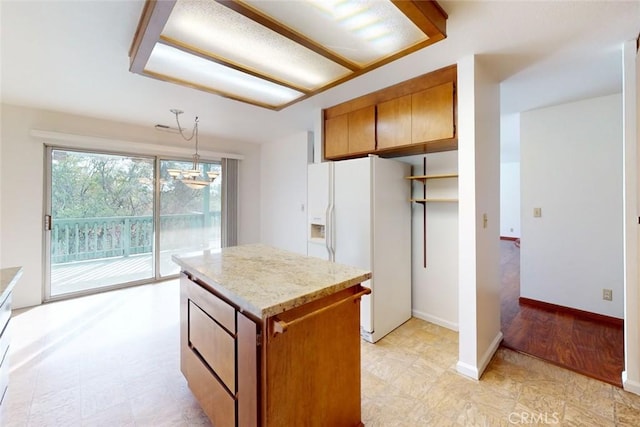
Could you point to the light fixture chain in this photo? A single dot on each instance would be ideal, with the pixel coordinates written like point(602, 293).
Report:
point(190, 177)
point(180, 129)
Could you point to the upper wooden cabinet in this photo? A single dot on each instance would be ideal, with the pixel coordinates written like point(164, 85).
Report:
point(414, 117)
point(350, 133)
point(394, 122)
point(362, 130)
point(432, 114)
point(336, 136)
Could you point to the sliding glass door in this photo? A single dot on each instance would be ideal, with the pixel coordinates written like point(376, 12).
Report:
point(111, 223)
point(189, 218)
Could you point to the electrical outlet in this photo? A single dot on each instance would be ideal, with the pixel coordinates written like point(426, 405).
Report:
point(607, 294)
point(537, 212)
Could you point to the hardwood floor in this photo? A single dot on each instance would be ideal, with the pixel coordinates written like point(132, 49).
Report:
point(586, 346)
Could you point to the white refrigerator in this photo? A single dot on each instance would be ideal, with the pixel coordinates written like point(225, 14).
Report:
point(359, 214)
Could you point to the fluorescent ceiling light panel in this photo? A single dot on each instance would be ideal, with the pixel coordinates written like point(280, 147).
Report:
point(275, 53)
point(175, 64)
point(362, 31)
point(219, 32)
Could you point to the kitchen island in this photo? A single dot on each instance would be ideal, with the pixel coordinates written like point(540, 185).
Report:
point(271, 338)
point(8, 279)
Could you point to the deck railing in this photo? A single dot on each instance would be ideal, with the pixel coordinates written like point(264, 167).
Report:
point(79, 239)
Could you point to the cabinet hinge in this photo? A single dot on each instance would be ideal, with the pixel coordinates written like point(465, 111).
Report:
point(259, 339)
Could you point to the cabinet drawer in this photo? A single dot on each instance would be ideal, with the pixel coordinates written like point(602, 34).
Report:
point(219, 406)
point(214, 344)
point(216, 308)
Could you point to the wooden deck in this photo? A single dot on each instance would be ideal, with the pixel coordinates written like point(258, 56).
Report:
point(81, 276)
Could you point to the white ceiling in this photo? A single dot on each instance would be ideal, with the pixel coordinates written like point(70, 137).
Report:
point(72, 56)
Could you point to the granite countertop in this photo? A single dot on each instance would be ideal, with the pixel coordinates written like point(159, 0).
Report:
point(266, 281)
point(8, 279)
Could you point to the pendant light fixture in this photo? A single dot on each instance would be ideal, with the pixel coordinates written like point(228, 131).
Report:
point(192, 178)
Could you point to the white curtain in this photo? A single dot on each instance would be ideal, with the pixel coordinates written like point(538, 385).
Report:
point(230, 169)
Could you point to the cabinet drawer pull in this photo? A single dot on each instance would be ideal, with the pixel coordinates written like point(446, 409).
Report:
point(280, 326)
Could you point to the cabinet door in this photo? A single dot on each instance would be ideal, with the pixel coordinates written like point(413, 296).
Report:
point(336, 136)
point(433, 114)
point(313, 369)
point(248, 372)
point(394, 122)
point(362, 130)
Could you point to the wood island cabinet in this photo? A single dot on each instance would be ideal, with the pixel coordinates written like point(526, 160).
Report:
point(297, 363)
point(208, 352)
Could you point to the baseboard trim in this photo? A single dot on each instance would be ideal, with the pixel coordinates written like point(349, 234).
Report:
point(513, 239)
point(488, 355)
point(630, 385)
point(475, 372)
point(614, 321)
point(435, 320)
point(467, 370)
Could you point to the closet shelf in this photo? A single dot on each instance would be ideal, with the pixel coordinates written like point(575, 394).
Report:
point(433, 199)
point(423, 178)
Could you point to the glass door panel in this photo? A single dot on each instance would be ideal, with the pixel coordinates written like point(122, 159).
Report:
point(190, 219)
point(102, 228)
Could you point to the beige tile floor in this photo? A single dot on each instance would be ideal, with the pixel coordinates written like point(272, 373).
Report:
point(112, 360)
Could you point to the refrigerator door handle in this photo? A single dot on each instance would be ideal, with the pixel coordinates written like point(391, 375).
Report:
point(331, 214)
point(327, 230)
point(331, 233)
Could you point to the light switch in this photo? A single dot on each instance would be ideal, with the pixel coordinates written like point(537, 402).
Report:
point(537, 212)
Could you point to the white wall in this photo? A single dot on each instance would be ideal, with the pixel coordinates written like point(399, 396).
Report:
point(572, 169)
point(510, 199)
point(631, 137)
point(510, 175)
point(510, 137)
point(283, 193)
point(22, 177)
point(1, 139)
point(434, 288)
point(479, 189)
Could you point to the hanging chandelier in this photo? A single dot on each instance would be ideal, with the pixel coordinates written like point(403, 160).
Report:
point(192, 178)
